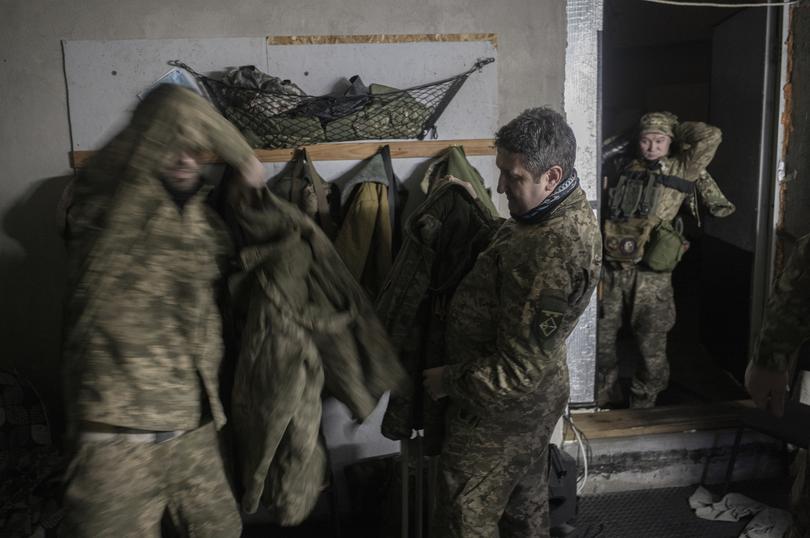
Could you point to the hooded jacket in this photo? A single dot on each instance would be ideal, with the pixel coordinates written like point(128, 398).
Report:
point(142, 329)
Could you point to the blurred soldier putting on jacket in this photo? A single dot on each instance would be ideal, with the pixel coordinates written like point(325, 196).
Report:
point(143, 333)
point(507, 378)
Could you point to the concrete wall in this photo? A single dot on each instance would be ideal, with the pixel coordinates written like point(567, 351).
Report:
point(676, 460)
point(34, 133)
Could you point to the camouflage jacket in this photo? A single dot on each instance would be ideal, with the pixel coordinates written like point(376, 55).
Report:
point(443, 237)
point(510, 316)
point(142, 326)
point(710, 195)
point(666, 185)
point(309, 327)
point(697, 143)
point(787, 317)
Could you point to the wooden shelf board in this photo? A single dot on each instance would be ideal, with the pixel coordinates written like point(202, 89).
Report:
point(340, 151)
point(378, 38)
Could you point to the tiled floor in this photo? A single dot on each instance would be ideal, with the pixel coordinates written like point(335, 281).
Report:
point(657, 513)
point(663, 513)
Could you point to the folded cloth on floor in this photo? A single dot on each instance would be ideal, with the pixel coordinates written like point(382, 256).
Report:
point(767, 523)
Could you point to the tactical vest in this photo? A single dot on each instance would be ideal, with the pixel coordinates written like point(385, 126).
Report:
point(641, 208)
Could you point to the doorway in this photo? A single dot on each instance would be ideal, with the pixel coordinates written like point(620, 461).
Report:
point(718, 66)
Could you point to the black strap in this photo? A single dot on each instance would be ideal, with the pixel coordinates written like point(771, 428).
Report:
point(677, 183)
point(673, 182)
point(392, 185)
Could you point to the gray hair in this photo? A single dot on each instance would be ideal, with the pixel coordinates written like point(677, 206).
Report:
point(544, 139)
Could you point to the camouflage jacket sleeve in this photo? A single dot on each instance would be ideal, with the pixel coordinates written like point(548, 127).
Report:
point(698, 142)
point(785, 325)
point(225, 140)
point(712, 197)
point(535, 318)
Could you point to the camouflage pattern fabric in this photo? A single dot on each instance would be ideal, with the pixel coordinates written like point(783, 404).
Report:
point(800, 497)
point(508, 379)
point(784, 328)
point(494, 475)
point(697, 143)
point(658, 122)
point(184, 476)
point(630, 287)
point(785, 325)
point(711, 196)
point(648, 296)
point(141, 274)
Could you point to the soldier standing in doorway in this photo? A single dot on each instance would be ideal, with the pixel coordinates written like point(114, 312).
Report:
point(643, 244)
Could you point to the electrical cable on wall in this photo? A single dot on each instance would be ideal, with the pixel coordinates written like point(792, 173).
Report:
point(727, 5)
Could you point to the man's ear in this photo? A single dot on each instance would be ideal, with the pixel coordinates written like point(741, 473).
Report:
point(555, 174)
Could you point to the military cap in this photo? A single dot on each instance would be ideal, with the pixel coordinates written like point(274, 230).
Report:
point(658, 122)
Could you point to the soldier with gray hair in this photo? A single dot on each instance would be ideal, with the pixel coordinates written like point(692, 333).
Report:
point(643, 246)
point(506, 376)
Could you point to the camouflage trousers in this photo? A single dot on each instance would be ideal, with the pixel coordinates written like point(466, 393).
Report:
point(648, 298)
point(492, 481)
point(122, 488)
point(800, 498)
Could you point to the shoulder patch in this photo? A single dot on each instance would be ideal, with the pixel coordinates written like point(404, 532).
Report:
point(548, 315)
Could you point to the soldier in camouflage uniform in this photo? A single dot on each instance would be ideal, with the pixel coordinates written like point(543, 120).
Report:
point(143, 340)
point(642, 247)
point(507, 379)
point(785, 327)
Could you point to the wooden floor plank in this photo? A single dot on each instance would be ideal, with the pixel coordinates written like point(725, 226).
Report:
point(674, 419)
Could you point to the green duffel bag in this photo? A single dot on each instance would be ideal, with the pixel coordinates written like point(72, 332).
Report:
point(665, 248)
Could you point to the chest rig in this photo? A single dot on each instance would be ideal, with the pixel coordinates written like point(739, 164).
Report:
point(641, 202)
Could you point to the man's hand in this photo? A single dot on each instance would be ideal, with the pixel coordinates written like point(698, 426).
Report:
point(432, 381)
point(767, 388)
point(252, 174)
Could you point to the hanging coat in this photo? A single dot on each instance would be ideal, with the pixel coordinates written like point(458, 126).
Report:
point(308, 327)
point(365, 240)
point(302, 185)
point(442, 239)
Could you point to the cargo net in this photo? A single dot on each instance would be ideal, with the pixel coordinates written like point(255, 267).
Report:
point(272, 113)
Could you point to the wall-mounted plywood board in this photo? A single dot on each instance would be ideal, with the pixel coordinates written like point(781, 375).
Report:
point(104, 78)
